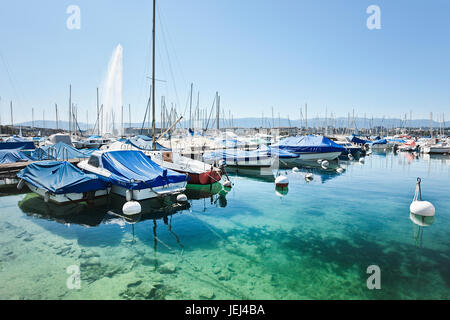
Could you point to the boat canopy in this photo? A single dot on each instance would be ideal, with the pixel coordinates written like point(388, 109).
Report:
point(309, 144)
point(276, 152)
point(133, 170)
point(12, 156)
point(16, 139)
point(60, 151)
point(60, 178)
point(24, 145)
point(355, 139)
point(381, 141)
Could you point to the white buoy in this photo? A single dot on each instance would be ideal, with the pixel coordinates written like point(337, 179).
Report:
point(181, 197)
point(227, 184)
point(325, 164)
point(282, 181)
point(339, 170)
point(350, 156)
point(422, 208)
point(361, 160)
point(131, 208)
point(20, 184)
point(295, 169)
point(319, 161)
point(309, 176)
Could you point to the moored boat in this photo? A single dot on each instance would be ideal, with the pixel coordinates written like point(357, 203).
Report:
point(133, 175)
point(311, 147)
point(62, 182)
point(199, 172)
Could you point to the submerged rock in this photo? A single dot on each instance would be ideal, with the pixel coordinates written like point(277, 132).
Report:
point(167, 267)
point(206, 293)
point(93, 261)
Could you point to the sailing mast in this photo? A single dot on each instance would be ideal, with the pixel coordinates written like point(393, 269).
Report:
point(153, 77)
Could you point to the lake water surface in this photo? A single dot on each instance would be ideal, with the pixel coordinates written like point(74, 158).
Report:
point(314, 241)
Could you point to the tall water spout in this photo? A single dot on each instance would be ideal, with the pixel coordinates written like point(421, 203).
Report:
point(112, 92)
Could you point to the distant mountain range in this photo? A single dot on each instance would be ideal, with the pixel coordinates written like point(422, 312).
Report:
point(341, 122)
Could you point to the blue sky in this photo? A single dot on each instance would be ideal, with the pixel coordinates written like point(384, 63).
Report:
point(256, 53)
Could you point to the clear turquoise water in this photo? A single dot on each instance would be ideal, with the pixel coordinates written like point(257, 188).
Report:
point(315, 242)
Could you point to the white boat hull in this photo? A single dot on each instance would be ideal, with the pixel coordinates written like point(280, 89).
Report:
point(318, 155)
point(436, 150)
point(144, 194)
point(66, 198)
point(251, 163)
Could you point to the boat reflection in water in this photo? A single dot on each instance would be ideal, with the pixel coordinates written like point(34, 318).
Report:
point(419, 223)
point(101, 211)
point(215, 192)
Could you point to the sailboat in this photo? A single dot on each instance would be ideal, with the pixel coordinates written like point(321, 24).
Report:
point(197, 171)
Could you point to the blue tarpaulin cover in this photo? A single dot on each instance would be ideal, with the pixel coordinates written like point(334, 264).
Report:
point(60, 178)
point(381, 141)
point(308, 144)
point(129, 165)
point(357, 140)
point(17, 145)
point(12, 156)
point(16, 139)
point(60, 151)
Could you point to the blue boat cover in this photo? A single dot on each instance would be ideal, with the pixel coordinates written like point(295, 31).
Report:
point(381, 141)
point(17, 145)
point(16, 139)
point(133, 170)
point(357, 140)
point(276, 152)
point(12, 156)
point(60, 151)
point(308, 144)
point(60, 178)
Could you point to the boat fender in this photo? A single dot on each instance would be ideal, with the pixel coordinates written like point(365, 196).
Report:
point(361, 160)
point(282, 181)
point(339, 170)
point(129, 195)
point(131, 208)
point(309, 176)
point(325, 164)
point(350, 156)
point(20, 184)
point(181, 197)
point(295, 169)
point(319, 161)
